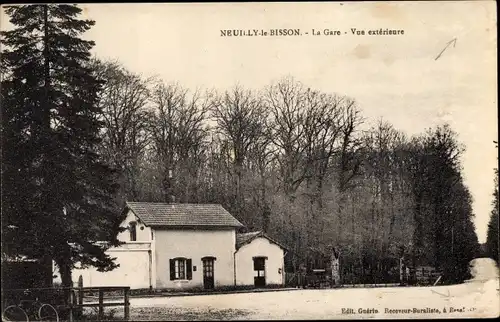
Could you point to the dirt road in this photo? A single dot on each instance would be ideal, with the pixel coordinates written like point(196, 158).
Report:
point(478, 297)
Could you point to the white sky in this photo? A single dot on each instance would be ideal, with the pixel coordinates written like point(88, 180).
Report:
point(394, 77)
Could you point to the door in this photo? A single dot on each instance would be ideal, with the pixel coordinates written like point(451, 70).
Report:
point(208, 273)
point(259, 267)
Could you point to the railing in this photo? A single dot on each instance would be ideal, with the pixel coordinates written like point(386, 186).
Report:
point(70, 302)
point(425, 276)
point(101, 304)
point(320, 279)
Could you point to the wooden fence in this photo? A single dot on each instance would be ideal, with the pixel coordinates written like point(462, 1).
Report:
point(422, 275)
point(426, 275)
point(120, 295)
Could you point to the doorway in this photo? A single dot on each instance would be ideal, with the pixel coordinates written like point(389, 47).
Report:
point(208, 272)
point(259, 267)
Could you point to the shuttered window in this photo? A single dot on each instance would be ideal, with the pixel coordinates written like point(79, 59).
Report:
point(181, 269)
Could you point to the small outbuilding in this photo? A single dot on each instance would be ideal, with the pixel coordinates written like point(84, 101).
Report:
point(259, 260)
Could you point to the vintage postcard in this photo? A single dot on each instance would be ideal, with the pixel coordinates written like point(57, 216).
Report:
point(249, 161)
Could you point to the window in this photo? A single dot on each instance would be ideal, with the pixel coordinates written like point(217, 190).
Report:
point(133, 231)
point(180, 269)
point(208, 267)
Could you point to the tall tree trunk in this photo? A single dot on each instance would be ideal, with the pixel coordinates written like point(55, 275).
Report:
point(238, 190)
point(46, 108)
point(64, 266)
point(65, 271)
point(266, 210)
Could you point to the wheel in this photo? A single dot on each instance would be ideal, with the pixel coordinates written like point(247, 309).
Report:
point(14, 313)
point(48, 313)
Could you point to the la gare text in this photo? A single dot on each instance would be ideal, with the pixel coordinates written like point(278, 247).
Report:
point(311, 32)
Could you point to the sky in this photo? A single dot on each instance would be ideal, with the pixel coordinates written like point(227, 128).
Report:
point(397, 78)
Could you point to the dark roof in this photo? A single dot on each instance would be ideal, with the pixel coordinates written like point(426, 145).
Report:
point(182, 214)
point(245, 238)
point(242, 239)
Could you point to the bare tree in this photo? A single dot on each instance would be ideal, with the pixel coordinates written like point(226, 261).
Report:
point(260, 165)
point(387, 221)
point(179, 133)
point(241, 120)
point(124, 101)
point(286, 103)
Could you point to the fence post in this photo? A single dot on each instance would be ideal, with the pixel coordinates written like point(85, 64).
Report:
point(80, 296)
point(126, 314)
point(101, 304)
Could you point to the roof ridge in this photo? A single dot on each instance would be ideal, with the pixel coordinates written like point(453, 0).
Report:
point(246, 238)
point(182, 214)
point(251, 232)
point(175, 203)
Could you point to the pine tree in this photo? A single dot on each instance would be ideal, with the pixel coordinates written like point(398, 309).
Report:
point(57, 196)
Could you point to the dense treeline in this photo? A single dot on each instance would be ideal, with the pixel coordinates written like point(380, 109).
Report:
point(81, 136)
point(294, 162)
point(492, 236)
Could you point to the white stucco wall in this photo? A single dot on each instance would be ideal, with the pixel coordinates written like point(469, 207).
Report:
point(195, 244)
point(143, 232)
point(136, 263)
point(274, 269)
point(134, 270)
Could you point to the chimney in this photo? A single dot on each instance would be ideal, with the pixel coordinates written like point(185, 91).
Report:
point(168, 186)
point(171, 179)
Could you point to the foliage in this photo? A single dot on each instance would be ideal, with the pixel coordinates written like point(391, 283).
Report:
point(444, 232)
point(57, 192)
